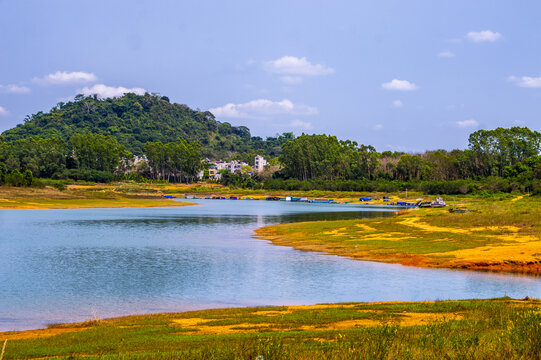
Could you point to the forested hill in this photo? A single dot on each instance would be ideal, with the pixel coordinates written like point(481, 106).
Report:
point(134, 120)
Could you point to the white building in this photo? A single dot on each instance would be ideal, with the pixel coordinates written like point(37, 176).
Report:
point(235, 166)
point(220, 165)
point(260, 163)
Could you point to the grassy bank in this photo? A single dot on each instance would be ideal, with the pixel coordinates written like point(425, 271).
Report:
point(51, 198)
point(143, 191)
point(482, 329)
point(208, 189)
point(502, 235)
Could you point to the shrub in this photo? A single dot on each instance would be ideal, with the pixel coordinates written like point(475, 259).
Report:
point(15, 178)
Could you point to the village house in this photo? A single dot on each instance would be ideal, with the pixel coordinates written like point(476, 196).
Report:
point(260, 163)
point(234, 166)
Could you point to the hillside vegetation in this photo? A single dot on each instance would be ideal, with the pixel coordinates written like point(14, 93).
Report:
point(134, 120)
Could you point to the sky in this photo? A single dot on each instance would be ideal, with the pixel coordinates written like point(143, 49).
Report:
point(398, 75)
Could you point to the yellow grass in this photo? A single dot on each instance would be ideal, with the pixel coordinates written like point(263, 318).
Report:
point(76, 198)
point(501, 236)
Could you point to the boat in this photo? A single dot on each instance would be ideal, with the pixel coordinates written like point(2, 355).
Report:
point(406, 204)
point(322, 201)
point(438, 203)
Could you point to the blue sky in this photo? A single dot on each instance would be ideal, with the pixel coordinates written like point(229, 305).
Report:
point(399, 75)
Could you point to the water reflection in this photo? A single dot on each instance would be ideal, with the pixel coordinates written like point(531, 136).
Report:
point(226, 219)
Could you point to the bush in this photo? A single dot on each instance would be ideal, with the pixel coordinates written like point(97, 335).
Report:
point(454, 187)
point(28, 178)
point(3, 173)
point(15, 178)
point(91, 175)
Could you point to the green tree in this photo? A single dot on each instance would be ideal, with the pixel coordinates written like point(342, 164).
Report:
point(28, 178)
point(15, 178)
point(3, 172)
point(97, 152)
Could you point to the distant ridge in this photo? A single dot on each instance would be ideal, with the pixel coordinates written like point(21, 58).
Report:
point(136, 119)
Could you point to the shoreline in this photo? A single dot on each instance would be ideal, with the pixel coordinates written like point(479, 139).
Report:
point(98, 205)
point(502, 237)
point(529, 269)
point(60, 328)
point(50, 198)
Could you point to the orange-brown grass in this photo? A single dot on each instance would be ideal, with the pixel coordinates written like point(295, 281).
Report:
point(51, 198)
point(499, 236)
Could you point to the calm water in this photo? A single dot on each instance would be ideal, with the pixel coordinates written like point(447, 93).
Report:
point(70, 265)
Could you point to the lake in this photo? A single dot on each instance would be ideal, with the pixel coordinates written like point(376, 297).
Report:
point(72, 265)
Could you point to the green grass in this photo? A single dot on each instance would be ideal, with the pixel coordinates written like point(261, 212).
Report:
point(467, 329)
point(500, 234)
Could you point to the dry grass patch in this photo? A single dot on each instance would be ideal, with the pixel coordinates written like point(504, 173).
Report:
point(500, 236)
point(77, 197)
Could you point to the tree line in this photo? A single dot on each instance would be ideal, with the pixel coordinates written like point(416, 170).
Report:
point(501, 152)
point(95, 157)
point(503, 159)
point(500, 160)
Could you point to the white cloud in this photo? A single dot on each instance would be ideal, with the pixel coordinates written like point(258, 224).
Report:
point(14, 89)
point(399, 85)
point(526, 81)
point(446, 54)
point(261, 108)
point(301, 124)
point(398, 104)
point(483, 36)
point(378, 127)
point(291, 65)
point(104, 91)
point(467, 123)
point(3, 111)
point(66, 78)
point(291, 80)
